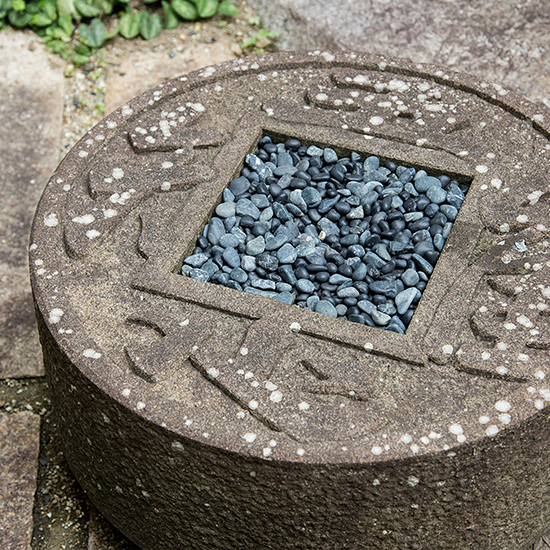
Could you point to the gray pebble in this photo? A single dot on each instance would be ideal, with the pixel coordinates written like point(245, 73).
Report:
point(404, 299)
point(199, 275)
point(238, 275)
point(338, 279)
point(450, 211)
point(329, 155)
point(410, 277)
point(215, 230)
point(255, 246)
point(285, 297)
point(245, 207)
point(229, 240)
point(314, 151)
point(349, 292)
point(341, 310)
point(226, 209)
point(305, 286)
point(311, 197)
point(248, 263)
point(366, 306)
point(326, 308)
point(231, 257)
point(260, 201)
point(287, 274)
point(196, 260)
point(287, 254)
point(275, 242)
point(436, 194)
point(285, 170)
point(239, 186)
point(379, 318)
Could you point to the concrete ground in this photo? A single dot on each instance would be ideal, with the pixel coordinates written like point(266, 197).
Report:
point(41, 505)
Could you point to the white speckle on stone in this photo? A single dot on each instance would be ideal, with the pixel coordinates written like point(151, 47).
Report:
point(522, 218)
point(461, 438)
point(545, 394)
point(165, 186)
point(276, 397)
point(414, 448)
point(40, 271)
point(140, 405)
point(83, 154)
point(376, 450)
point(481, 168)
point(368, 346)
point(502, 370)
point(33, 246)
point(502, 406)
point(150, 139)
point(109, 213)
point(270, 386)
point(538, 118)
point(92, 354)
point(421, 142)
point(55, 315)
point(484, 420)
point(382, 66)
point(413, 481)
point(496, 183)
point(86, 219)
point(328, 56)
point(184, 323)
point(447, 349)
point(249, 375)
point(300, 452)
point(249, 437)
point(456, 429)
point(523, 357)
point(406, 438)
point(38, 262)
point(255, 384)
point(92, 234)
point(243, 351)
point(539, 404)
point(492, 430)
point(213, 372)
point(266, 451)
point(540, 375)
point(241, 414)
point(199, 107)
point(485, 355)
point(463, 154)
point(51, 220)
point(188, 422)
point(105, 418)
point(321, 97)
point(509, 326)
point(502, 346)
point(303, 406)
point(126, 111)
point(111, 124)
point(376, 120)
point(295, 327)
point(167, 164)
point(253, 405)
point(504, 418)
point(118, 173)
point(126, 392)
point(66, 187)
point(534, 197)
point(425, 440)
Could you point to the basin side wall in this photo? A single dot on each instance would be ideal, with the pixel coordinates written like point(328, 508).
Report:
point(164, 491)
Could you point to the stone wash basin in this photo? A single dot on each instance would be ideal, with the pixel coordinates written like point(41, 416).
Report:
point(197, 416)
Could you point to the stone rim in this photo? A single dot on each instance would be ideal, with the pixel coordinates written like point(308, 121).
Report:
point(73, 164)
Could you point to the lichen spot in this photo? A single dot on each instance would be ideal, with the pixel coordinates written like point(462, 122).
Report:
point(376, 450)
point(140, 405)
point(243, 351)
point(303, 406)
point(249, 437)
point(213, 372)
point(502, 406)
point(413, 481)
point(492, 430)
point(456, 429)
point(276, 397)
point(92, 234)
point(126, 392)
point(295, 327)
point(253, 405)
point(92, 354)
point(376, 120)
point(368, 347)
point(447, 349)
point(51, 220)
point(55, 315)
point(118, 173)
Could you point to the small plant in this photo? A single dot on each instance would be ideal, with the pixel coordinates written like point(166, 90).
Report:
point(59, 21)
point(260, 40)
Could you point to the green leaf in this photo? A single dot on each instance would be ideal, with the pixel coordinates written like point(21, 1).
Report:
point(151, 25)
point(18, 5)
point(82, 49)
point(185, 9)
point(171, 20)
point(93, 35)
point(85, 9)
point(65, 25)
point(66, 7)
point(19, 19)
point(5, 5)
point(206, 8)
point(129, 25)
point(78, 59)
point(41, 20)
point(227, 8)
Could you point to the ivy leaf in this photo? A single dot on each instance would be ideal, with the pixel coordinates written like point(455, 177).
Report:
point(19, 19)
point(79, 59)
point(171, 20)
point(129, 25)
point(66, 7)
point(85, 9)
point(18, 5)
point(150, 26)
point(65, 24)
point(227, 8)
point(93, 35)
point(206, 8)
point(185, 9)
point(46, 16)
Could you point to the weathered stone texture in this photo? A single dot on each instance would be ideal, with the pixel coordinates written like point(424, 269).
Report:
point(19, 442)
point(30, 127)
point(197, 416)
point(501, 40)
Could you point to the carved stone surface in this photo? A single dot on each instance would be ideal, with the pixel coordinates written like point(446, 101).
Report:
point(196, 416)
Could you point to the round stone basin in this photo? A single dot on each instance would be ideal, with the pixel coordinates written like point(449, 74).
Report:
point(198, 416)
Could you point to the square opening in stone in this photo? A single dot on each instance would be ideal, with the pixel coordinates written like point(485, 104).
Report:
point(347, 236)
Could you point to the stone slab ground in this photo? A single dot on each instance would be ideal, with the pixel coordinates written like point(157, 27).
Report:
point(494, 40)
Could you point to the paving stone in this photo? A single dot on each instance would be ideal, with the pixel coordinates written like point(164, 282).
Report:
point(19, 442)
point(182, 402)
point(30, 130)
point(500, 40)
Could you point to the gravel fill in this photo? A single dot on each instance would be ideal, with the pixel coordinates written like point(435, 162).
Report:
point(346, 237)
